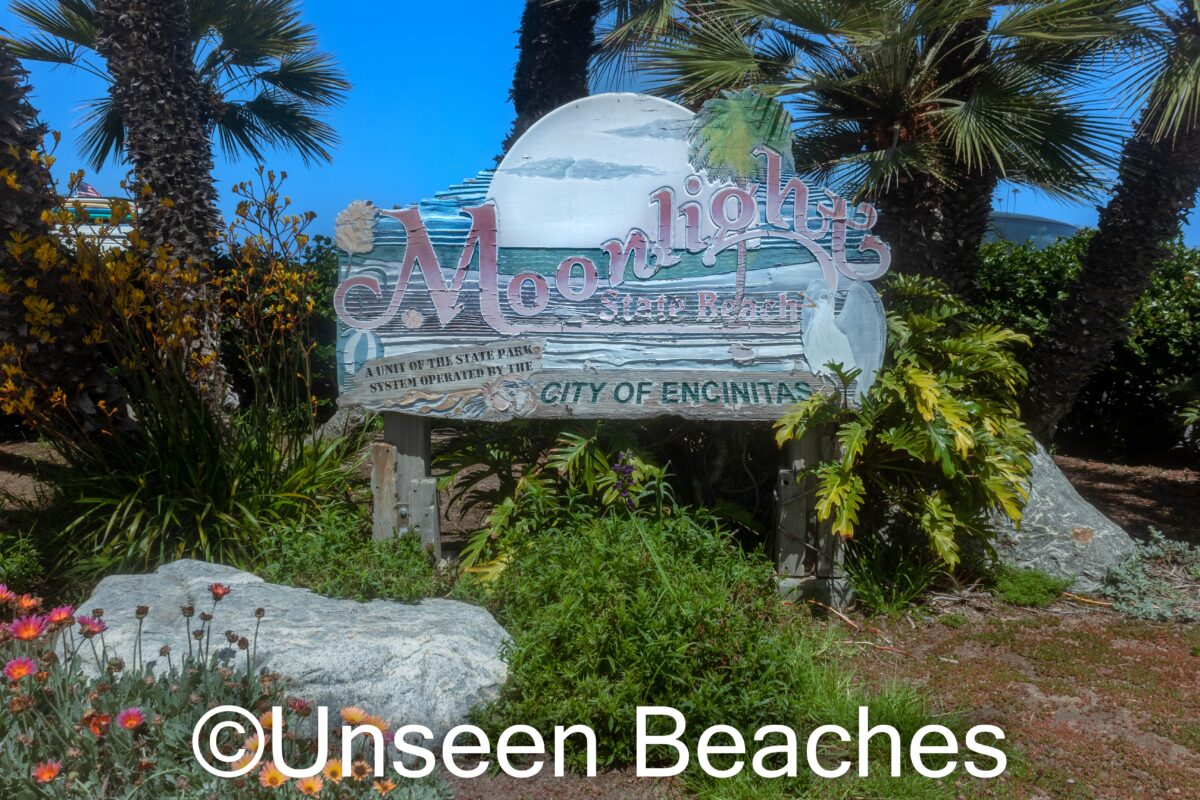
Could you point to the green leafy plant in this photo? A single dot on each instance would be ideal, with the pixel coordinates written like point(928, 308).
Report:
point(20, 562)
point(1160, 581)
point(608, 612)
point(333, 554)
point(889, 577)
point(1028, 587)
point(1154, 371)
point(154, 471)
point(937, 444)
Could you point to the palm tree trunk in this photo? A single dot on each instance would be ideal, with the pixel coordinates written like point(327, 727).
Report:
point(935, 227)
point(1156, 187)
point(147, 46)
point(556, 46)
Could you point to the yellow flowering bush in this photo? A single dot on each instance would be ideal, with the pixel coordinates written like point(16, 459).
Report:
point(150, 469)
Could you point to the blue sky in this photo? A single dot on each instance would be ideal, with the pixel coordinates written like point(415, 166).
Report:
point(429, 107)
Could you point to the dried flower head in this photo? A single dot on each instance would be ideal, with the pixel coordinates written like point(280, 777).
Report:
point(91, 626)
point(141, 611)
point(187, 611)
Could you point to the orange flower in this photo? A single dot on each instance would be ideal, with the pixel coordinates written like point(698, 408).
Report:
point(310, 786)
point(378, 722)
point(360, 770)
point(219, 591)
point(383, 787)
point(47, 771)
point(61, 615)
point(27, 628)
point(270, 777)
point(353, 715)
point(6, 595)
point(333, 771)
point(97, 723)
point(27, 603)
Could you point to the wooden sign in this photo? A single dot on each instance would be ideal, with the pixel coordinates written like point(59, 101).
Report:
point(626, 259)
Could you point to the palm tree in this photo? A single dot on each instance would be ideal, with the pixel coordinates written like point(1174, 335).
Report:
point(161, 103)
point(265, 84)
point(1156, 187)
point(556, 45)
point(921, 107)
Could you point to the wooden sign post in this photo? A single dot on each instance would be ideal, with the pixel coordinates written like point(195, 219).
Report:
point(627, 259)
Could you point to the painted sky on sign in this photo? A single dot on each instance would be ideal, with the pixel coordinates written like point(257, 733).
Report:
point(429, 107)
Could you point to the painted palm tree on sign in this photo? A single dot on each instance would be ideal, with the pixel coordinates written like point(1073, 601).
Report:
point(921, 107)
point(266, 84)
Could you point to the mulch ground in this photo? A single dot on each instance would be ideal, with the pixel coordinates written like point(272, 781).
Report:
point(1139, 498)
point(1094, 704)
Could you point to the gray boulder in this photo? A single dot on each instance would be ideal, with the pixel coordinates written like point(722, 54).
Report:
point(426, 663)
point(1062, 534)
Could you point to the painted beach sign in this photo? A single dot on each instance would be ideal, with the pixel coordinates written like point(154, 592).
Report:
point(626, 259)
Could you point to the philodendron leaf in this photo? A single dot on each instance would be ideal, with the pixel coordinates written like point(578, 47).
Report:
point(728, 129)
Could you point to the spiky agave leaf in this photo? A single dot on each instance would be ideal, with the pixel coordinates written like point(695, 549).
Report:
point(729, 128)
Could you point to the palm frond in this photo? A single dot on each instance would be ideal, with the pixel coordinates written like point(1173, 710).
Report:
point(103, 134)
point(311, 76)
point(281, 122)
point(73, 21)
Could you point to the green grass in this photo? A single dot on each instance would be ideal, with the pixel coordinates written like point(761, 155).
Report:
point(953, 620)
point(611, 613)
point(333, 555)
point(1028, 587)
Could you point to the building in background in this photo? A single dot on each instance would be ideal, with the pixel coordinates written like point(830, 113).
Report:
point(1020, 228)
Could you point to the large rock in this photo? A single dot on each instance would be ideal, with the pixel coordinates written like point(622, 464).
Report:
point(426, 663)
point(1061, 533)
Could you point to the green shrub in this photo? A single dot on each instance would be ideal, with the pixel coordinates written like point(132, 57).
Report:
point(889, 577)
point(937, 444)
point(1132, 405)
point(333, 554)
point(611, 612)
point(1028, 587)
point(1160, 581)
point(20, 563)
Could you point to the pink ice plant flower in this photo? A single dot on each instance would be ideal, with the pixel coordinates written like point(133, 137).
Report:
point(61, 615)
point(19, 668)
point(7, 595)
point(90, 626)
point(131, 719)
point(26, 629)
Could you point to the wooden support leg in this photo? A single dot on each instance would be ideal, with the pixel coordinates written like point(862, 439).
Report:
point(405, 495)
point(808, 556)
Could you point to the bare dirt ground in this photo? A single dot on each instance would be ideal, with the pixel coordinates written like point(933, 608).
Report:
point(1094, 704)
point(1140, 497)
